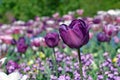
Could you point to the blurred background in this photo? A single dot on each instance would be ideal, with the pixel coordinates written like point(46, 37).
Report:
point(28, 9)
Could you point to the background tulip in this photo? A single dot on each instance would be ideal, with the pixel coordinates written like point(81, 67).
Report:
point(21, 45)
point(102, 37)
point(52, 39)
point(35, 42)
point(96, 20)
point(76, 34)
point(110, 30)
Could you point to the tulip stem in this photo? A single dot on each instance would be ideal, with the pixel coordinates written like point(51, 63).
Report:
point(54, 54)
point(80, 64)
point(55, 63)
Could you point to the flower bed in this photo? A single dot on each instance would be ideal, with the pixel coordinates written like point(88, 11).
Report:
point(70, 47)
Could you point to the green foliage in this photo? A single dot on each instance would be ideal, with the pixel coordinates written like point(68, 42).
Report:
point(28, 9)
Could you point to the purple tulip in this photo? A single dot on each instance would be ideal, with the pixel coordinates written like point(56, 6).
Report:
point(102, 37)
point(12, 66)
point(96, 20)
point(52, 39)
point(30, 31)
point(21, 39)
point(76, 34)
point(110, 30)
point(21, 45)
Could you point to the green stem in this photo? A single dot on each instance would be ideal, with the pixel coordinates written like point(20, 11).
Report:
point(55, 63)
point(80, 64)
point(54, 55)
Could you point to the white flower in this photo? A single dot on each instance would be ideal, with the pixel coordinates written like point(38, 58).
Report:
point(50, 22)
point(34, 48)
point(4, 26)
point(4, 47)
point(101, 13)
point(13, 76)
point(49, 29)
point(67, 22)
point(18, 22)
point(24, 77)
point(2, 60)
point(112, 12)
point(6, 37)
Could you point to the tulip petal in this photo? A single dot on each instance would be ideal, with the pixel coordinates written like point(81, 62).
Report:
point(73, 23)
point(63, 27)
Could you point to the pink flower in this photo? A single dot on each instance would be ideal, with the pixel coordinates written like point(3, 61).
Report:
point(80, 12)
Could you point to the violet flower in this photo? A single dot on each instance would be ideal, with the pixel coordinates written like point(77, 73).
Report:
point(21, 45)
point(12, 66)
point(96, 20)
point(76, 34)
point(110, 30)
point(52, 39)
point(102, 37)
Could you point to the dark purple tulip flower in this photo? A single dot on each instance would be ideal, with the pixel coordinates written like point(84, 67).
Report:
point(76, 34)
point(102, 37)
point(21, 45)
point(96, 20)
point(12, 66)
point(30, 31)
point(21, 39)
point(52, 39)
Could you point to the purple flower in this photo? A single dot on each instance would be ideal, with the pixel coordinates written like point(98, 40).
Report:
point(35, 42)
point(30, 31)
point(21, 45)
point(52, 39)
point(21, 39)
point(76, 34)
point(12, 66)
point(110, 30)
point(102, 37)
point(100, 77)
point(96, 20)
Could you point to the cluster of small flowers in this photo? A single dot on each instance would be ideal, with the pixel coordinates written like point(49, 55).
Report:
point(109, 69)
